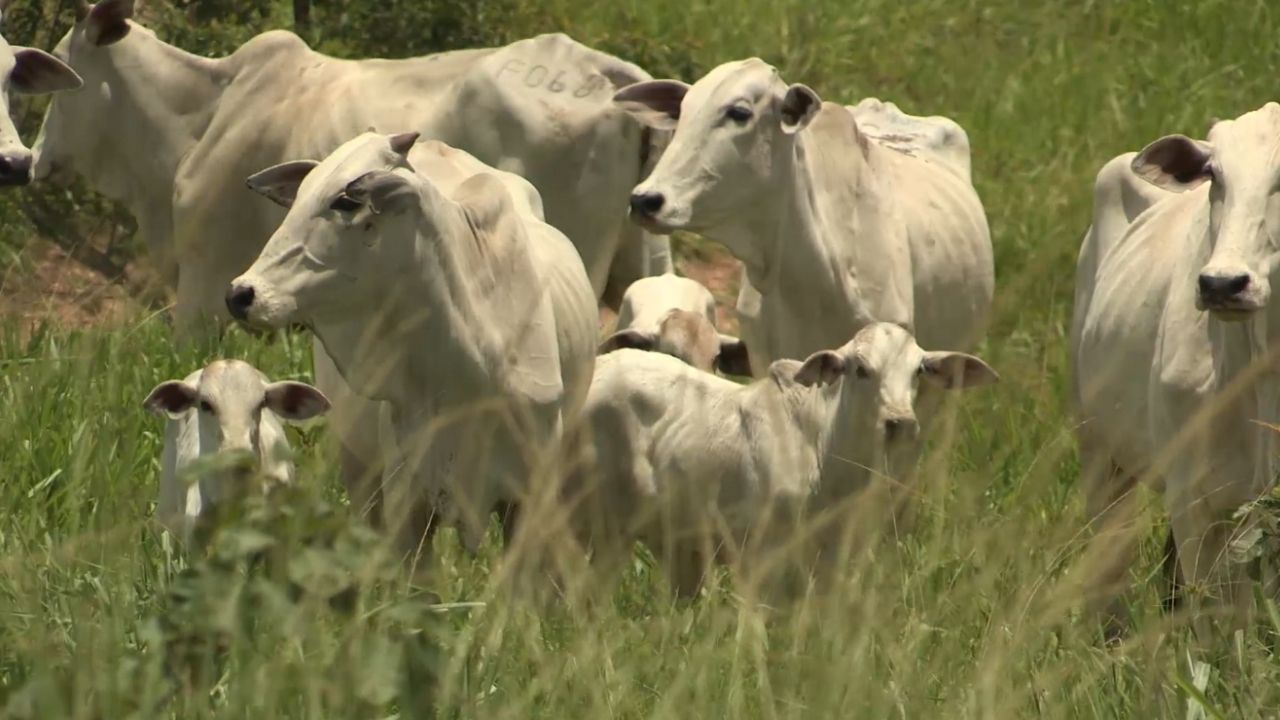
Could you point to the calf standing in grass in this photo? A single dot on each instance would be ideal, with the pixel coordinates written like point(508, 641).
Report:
point(676, 315)
point(700, 468)
point(228, 409)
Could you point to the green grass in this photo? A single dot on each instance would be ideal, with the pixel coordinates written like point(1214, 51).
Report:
point(972, 616)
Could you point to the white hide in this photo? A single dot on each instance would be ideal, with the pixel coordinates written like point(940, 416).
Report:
point(226, 409)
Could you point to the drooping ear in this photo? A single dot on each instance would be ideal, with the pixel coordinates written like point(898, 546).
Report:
point(822, 368)
point(108, 22)
point(36, 72)
point(634, 339)
point(733, 358)
point(171, 398)
point(295, 401)
point(655, 103)
point(384, 191)
point(402, 143)
point(799, 106)
point(956, 371)
point(279, 183)
point(1174, 162)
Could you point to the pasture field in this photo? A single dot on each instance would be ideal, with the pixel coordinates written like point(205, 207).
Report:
point(973, 615)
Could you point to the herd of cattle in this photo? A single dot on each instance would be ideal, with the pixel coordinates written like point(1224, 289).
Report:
point(451, 272)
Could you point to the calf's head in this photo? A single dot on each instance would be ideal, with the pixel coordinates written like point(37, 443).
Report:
point(881, 369)
point(349, 234)
point(29, 71)
point(1240, 161)
point(690, 337)
point(228, 399)
point(733, 129)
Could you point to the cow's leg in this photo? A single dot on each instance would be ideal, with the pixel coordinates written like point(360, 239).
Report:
point(1171, 597)
point(356, 425)
point(1111, 509)
point(1203, 529)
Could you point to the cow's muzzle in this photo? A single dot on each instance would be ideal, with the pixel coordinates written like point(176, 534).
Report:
point(239, 299)
point(15, 170)
point(1229, 295)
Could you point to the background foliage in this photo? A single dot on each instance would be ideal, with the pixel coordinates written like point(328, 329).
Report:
point(970, 617)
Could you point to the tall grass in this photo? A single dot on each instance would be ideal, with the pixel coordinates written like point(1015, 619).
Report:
point(971, 616)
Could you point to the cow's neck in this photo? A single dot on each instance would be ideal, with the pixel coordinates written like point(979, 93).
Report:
point(163, 99)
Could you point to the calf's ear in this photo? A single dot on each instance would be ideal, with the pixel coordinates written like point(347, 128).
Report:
point(956, 371)
point(733, 358)
point(633, 339)
point(295, 401)
point(822, 368)
point(36, 72)
point(280, 183)
point(1174, 162)
point(171, 399)
point(655, 103)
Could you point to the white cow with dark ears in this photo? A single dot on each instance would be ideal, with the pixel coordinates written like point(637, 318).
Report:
point(31, 72)
point(226, 411)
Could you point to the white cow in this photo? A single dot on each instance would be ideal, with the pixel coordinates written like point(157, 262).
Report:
point(227, 415)
point(1172, 347)
point(840, 216)
point(29, 71)
point(172, 136)
point(435, 285)
point(699, 467)
point(677, 316)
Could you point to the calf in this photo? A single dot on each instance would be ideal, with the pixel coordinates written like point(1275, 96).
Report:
point(227, 414)
point(700, 468)
point(676, 315)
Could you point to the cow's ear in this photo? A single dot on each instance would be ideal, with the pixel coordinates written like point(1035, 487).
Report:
point(822, 368)
point(799, 106)
point(956, 371)
point(733, 358)
point(634, 339)
point(383, 191)
point(36, 72)
point(280, 183)
point(655, 103)
point(1174, 162)
point(108, 22)
point(171, 399)
point(295, 401)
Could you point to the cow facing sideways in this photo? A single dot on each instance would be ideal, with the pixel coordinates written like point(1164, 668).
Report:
point(434, 284)
point(840, 216)
point(1175, 377)
point(700, 468)
point(31, 72)
point(172, 136)
point(676, 315)
point(228, 415)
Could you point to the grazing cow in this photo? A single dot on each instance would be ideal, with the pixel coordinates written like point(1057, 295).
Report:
point(841, 216)
point(1171, 344)
point(699, 467)
point(30, 71)
point(434, 284)
point(172, 136)
point(227, 414)
point(676, 315)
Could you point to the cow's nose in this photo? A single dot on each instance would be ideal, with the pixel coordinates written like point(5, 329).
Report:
point(1220, 288)
point(239, 300)
point(15, 170)
point(647, 203)
point(900, 428)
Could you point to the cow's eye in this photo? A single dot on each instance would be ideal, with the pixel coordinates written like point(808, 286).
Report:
point(860, 371)
point(345, 204)
point(738, 113)
point(206, 407)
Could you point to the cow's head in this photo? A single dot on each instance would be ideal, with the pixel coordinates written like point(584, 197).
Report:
point(688, 336)
point(733, 128)
point(72, 132)
point(30, 71)
point(349, 235)
point(1240, 161)
point(228, 398)
point(881, 369)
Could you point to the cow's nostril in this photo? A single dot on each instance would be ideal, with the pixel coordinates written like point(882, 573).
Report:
point(647, 203)
point(1222, 287)
point(15, 170)
point(239, 300)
